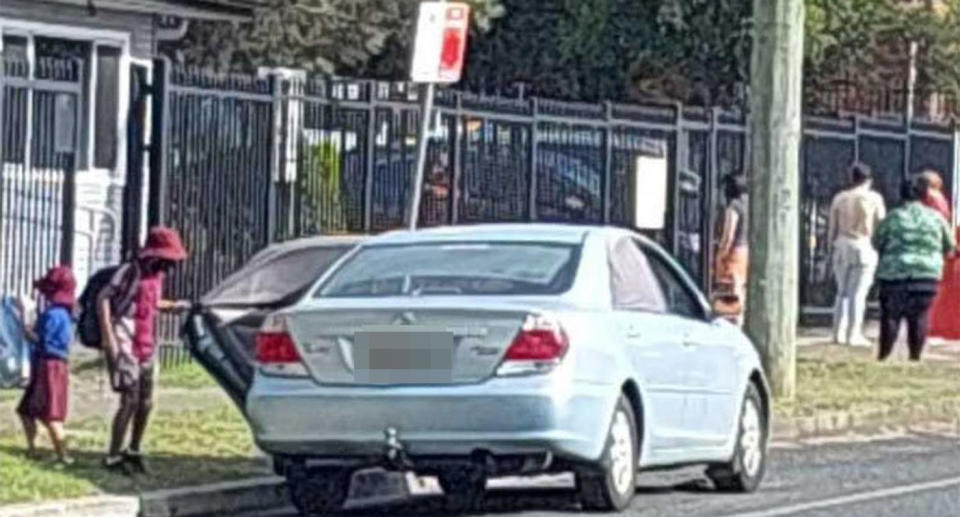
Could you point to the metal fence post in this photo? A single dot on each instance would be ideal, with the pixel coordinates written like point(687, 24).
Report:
point(5, 126)
point(159, 143)
point(456, 160)
point(674, 181)
point(708, 204)
point(856, 138)
point(908, 150)
point(133, 191)
point(607, 200)
point(3, 121)
point(69, 193)
point(534, 129)
point(276, 142)
point(370, 160)
point(955, 195)
point(70, 180)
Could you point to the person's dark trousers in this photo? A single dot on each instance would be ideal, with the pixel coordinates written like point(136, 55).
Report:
point(910, 300)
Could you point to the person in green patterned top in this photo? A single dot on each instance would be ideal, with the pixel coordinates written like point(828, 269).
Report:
point(912, 241)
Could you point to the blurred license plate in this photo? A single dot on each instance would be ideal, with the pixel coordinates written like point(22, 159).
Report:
point(377, 486)
point(405, 355)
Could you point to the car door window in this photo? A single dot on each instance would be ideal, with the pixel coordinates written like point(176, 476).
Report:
point(633, 284)
point(679, 298)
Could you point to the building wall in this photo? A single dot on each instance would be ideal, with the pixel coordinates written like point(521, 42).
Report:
point(99, 194)
point(140, 26)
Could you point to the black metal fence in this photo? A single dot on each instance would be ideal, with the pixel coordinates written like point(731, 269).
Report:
point(39, 115)
point(244, 161)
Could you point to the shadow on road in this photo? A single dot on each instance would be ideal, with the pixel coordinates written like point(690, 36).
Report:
point(558, 501)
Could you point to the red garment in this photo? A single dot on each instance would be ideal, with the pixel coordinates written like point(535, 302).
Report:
point(935, 200)
point(45, 398)
point(148, 295)
point(945, 313)
point(164, 243)
point(58, 286)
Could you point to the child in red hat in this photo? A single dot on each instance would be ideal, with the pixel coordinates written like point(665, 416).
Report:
point(45, 399)
point(127, 309)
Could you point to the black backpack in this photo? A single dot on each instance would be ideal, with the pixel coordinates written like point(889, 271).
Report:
point(88, 324)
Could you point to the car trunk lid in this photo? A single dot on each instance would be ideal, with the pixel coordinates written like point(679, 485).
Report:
point(479, 336)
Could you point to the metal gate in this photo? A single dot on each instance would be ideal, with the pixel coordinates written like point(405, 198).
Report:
point(39, 113)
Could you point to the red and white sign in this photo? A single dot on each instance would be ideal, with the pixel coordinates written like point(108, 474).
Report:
point(440, 43)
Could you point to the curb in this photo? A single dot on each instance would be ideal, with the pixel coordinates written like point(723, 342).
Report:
point(833, 423)
point(97, 506)
point(229, 498)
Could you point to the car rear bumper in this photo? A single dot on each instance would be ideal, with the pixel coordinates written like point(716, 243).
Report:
point(502, 416)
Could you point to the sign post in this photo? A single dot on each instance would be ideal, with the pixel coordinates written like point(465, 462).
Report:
point(437, 58)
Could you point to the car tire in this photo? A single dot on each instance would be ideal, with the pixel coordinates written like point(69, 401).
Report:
point(609, 485)
point(463, 488)
point(745, 471)
point(317, 491)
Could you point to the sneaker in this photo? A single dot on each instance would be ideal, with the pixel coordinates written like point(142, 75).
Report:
point(116, 464)
point(135, 460)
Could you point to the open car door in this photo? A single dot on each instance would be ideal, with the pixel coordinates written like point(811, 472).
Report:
point(220, 332)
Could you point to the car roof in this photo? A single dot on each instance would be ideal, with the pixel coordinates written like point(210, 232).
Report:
point(522, 232)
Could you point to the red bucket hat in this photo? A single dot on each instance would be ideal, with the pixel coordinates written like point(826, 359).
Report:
point(163, 243)
point(58, 286)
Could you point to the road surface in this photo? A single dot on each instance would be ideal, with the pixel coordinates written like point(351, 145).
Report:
point(916, 476)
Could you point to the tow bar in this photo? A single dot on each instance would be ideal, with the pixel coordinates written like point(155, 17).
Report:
point(394, 453)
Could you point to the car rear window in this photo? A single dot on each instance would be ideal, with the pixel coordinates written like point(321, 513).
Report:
point(279, 277)
point(451, 269)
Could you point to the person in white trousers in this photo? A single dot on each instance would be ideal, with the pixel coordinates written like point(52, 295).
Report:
point(854, 215)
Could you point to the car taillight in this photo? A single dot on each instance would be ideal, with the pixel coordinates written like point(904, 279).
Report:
point(276, 347)
point(538, 347)
point(275, 350)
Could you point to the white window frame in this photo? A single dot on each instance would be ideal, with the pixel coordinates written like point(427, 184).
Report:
point(96, 37)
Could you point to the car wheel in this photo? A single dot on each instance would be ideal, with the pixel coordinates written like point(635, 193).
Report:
point(317, 491)
point(463, 488)
point(610, 484)
point(746, 469)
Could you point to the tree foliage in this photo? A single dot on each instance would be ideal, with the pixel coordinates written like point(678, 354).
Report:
point(701, 51)
point(328, 36)
point(617, 49)
point(696, 51)
point(579, 49)
point(865, 45)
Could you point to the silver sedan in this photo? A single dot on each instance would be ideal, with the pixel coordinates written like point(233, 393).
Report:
point(423, 363)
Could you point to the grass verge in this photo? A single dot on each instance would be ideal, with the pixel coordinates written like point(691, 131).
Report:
point(185, 376)
point(184, 448)
point(831, 378)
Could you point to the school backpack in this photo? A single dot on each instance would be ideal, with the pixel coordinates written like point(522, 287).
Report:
point(88, 323)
